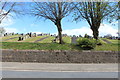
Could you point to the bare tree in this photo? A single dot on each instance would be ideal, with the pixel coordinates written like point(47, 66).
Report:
point(94, 13)
point(8, 7)
point(54, 11)
point(2, 31)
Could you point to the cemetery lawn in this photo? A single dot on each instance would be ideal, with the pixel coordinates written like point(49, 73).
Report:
point(47, 44)
point(8, 37)
point(33, 39)
point(37, 46)
point(113, 46)
point(67, 39)
point(47, 40)
point(55, 46)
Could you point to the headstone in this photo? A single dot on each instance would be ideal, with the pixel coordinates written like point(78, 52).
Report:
point(49, 34)
point(74, 39)
point(55, 40)
point(20, 38)
point(4, 35)
point(10, 34)
point(22, 34)
point(16, 34)
point(54, 35)
point(34, 34)
point(13, 33)
point(30, 34)
point(80, 36)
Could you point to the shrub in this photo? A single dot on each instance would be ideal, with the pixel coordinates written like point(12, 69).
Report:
point(86, 43)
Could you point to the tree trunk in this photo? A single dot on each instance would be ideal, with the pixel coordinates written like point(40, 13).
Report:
point(95, 32)
point(58, 24)
point(60, 36)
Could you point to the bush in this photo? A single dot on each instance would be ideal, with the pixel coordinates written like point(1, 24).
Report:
point(86, 43)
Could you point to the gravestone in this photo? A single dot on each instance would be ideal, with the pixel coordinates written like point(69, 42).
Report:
point(20, 39)
point(10, 34)
point(39, 35)
point(55, 40)
point(30, 34)
point(34, 35)
point(16, 34)
point(80, 36)
point(54, 35)
point(13, 33)
point(74, 39)
point(22, 34)
point(6, 34)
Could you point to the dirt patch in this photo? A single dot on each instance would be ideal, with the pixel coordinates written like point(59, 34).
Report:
point(42, 56)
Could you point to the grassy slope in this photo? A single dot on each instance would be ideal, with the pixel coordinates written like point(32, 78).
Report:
point(47, 45)
point(108, 47)
point(8, 37)
point(13, 40)
point(47, 40)
point(33, 39)
point(37, 46)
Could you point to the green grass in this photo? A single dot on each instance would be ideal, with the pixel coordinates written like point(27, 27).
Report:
point(108, 47)
point(37, 46)
point(47, 44)
point(47, 40)
point(102, 41)
point(12, 40)
point(8, 37)
point(67, 39)
point(113, 41)
point(33, 39)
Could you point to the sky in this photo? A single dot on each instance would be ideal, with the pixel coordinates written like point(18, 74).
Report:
point(27, 23)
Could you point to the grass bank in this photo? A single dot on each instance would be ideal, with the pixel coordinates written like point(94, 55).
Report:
point(54, 46)
point(38, 46)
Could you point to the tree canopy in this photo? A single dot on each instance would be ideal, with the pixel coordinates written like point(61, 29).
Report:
point(94, 13)
point(54, 11)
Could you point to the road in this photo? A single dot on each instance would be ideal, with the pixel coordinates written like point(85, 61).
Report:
point(63, 70)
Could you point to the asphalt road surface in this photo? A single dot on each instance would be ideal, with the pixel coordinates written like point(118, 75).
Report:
point(50, 70)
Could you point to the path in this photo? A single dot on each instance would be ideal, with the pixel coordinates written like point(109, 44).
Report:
point(40, 39)
point(10, 38)
point(106, 41)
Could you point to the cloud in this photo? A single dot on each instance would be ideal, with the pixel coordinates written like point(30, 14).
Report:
point(10, 30)
point(37, 32)
point(6, 22)
point(107, 29)
point(81, 31)
point(103, 30)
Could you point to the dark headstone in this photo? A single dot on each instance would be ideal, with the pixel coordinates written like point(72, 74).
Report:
point(20, 38)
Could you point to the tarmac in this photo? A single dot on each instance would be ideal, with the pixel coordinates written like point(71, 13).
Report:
point(58, 70)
